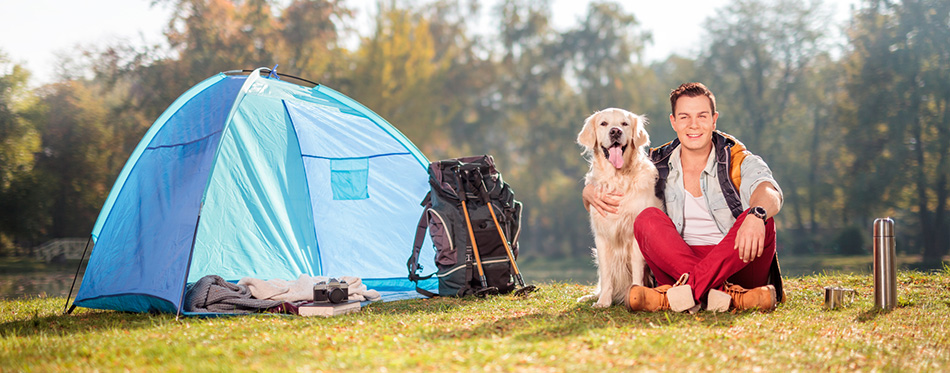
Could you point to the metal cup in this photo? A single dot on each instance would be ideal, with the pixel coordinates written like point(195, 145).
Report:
point(838, 297)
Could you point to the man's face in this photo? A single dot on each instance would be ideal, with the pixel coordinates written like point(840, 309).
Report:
point(694, 122)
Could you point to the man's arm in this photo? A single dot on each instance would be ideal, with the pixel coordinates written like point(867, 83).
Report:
point(602, 201)
point(750, 238)
point(768, 197)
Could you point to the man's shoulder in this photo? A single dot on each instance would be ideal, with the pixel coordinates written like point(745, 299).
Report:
point(737, 150)
point(663, 152)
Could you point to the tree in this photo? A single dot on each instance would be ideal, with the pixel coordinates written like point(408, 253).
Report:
point(398, 75)
point(757, 56)
point(760, 61)
point(465, 102)
point(19, 140)
point(605, 52)
point(211, 36)
point(81, 154)
point(310, 34)
point(898, 117)
point(547, 83)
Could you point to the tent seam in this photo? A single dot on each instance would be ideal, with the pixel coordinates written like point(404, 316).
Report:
point(307, 181)
point(217, 152)
point(138, 153)
point(349, 158)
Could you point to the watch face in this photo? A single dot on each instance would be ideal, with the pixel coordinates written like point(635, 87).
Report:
point(759, 212)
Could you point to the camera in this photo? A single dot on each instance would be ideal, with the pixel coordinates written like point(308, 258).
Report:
point(333, 291)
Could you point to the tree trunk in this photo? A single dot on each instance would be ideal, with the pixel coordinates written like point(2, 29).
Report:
point(934, 252)
point(813, 173)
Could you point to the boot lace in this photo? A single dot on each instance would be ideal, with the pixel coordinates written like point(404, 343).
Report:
point(736, 292)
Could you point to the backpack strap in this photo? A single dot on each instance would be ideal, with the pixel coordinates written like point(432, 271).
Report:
point(724, 168)
point(413, 263)
point(775, 278)
point(660, 157)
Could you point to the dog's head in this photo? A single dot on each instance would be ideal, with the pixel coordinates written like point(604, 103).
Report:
point(614, 134)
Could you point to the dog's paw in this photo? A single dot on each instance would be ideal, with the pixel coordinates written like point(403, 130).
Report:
point(586, 298)
point(601, 305)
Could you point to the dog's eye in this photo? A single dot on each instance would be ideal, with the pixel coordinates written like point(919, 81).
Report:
point(625, 124)
point(604, 123)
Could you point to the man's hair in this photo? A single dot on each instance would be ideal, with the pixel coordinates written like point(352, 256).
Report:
point(691, 90)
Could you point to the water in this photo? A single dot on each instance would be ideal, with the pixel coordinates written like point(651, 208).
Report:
point(50, 280)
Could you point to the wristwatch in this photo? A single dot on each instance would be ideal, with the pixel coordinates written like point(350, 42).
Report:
point(759, 212)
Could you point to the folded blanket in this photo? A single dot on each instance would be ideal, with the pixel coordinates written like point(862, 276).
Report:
point(213, 294)
point(301, 289)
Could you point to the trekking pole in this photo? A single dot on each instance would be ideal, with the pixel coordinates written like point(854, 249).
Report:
point(485, 290)
point(524, 290)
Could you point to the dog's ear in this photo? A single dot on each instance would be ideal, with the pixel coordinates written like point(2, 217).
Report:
point(641, 138)
point(587, 137)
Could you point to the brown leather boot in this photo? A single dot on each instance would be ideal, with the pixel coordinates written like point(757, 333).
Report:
point(677, 298)
point(761, 298)
point(642, 298)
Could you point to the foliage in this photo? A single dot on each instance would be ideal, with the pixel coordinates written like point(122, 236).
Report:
point(851, 241)
point(83, 130)
point(761, 58)
point(399, 76)
point(897, 121)
point(851, 133)
point(19, 140)
point(547, 331)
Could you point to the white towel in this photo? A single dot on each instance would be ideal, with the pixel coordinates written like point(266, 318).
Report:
point(302, 288)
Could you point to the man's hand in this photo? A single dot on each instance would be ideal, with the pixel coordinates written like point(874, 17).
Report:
point(750, 238)
point(602, 200)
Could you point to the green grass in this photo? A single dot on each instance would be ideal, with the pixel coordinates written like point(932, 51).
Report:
point(547, 331)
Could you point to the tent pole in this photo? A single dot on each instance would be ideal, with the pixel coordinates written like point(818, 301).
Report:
point(191, 253)
point(70, 310)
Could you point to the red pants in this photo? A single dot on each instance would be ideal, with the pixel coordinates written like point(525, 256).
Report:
point(708, 266)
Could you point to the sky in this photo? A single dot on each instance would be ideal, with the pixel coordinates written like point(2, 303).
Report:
point(35, 32)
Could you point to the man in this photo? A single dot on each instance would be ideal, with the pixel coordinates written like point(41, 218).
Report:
point(716, 242)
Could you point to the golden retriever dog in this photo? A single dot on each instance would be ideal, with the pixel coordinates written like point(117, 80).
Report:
point(614, 142)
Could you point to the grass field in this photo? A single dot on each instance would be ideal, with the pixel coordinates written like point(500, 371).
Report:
point(583, 271)
point(547, 331)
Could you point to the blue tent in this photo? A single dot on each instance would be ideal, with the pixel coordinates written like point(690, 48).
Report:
point(247, 175)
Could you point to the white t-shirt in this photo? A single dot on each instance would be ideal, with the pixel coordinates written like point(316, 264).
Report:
point(700, 229)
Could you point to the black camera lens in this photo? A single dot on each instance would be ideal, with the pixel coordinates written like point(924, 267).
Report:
point(336, 296)
point(337, 291)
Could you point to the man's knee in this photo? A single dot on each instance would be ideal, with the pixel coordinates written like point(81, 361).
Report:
point(648, 220)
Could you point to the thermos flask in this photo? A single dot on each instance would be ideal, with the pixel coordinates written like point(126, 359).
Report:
point(885, 275)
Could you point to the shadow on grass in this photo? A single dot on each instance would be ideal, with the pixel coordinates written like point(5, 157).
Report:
point(63, 325)
point(580, 319)
point(870, 314)
point(874, 312)
point(930, 266)
point(435, 305)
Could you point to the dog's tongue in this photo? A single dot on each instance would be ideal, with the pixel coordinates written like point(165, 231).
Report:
point(616, 156)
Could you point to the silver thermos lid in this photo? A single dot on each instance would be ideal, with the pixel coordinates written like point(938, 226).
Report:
point(883, 227)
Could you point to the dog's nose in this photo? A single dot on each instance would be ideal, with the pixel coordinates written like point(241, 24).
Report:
point(615, 133)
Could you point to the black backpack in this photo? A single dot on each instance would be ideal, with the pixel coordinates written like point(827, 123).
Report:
point(460, 187)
